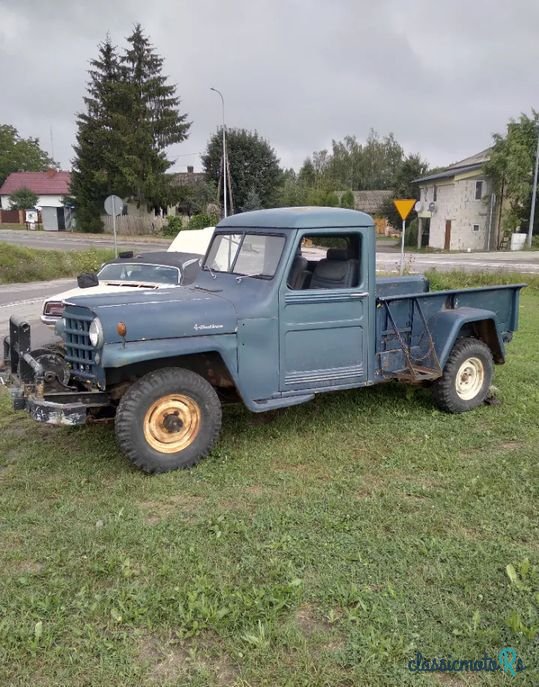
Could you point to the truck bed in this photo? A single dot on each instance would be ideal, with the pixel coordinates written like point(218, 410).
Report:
point(415, 332)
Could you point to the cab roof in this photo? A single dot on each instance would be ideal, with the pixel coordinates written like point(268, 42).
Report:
point(297, 218)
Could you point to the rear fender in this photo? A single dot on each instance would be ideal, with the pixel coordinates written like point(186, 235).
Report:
point(447, 326)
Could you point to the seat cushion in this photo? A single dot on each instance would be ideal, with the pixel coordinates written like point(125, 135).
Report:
point(334, 274)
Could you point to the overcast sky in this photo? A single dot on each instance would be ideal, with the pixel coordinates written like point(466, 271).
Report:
point(441, 76)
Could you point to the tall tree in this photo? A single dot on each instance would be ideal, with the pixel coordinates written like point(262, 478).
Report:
point(254, 167)
point(511, 167)
point(155, 121)
point(19, 154)
point(99, 151)
point(131, 117)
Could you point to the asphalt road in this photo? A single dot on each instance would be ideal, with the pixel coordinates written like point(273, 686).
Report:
point(525, 262)
point(52, 240)
point(26, 300)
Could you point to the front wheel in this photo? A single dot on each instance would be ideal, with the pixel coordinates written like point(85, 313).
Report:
point(168, 419)
point(466, 379)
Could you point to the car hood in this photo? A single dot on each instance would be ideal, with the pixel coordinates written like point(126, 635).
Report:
point(161, 314)
point(103, 287)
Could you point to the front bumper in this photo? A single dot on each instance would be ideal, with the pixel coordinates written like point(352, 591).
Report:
point(26, 380)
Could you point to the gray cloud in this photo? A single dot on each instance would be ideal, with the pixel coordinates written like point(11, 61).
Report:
point(441, 76)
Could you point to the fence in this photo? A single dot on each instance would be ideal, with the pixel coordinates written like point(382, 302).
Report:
point(11, 216)
point(135, 225)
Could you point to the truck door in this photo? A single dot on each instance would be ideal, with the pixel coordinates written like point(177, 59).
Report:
point(325, 311)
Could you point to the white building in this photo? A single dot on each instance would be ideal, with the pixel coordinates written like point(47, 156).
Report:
point(51, 187)
point(457, 207)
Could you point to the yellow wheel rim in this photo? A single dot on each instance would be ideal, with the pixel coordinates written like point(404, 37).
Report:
point(172, 423)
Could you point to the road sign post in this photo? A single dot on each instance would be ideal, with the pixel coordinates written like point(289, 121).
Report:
point(114, 206)
point(404, 207)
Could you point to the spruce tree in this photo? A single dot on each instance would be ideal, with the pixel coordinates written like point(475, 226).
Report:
point(155, 122)
point(131, 117)
point(97, 168)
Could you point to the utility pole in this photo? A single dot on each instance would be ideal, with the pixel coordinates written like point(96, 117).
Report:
point(534, 194)
point(225, 166)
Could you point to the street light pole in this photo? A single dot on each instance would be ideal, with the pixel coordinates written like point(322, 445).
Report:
point(534, 194)
point(225, 199)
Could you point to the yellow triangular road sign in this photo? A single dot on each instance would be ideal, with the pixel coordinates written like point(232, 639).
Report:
point(404, 206)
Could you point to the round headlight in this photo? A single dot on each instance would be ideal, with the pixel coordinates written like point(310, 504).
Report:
point(96, 333)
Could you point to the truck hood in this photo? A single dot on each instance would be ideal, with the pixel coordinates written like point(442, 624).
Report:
point(161, 314)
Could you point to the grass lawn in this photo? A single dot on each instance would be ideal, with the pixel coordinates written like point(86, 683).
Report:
point(322, 545)
point(20, 264)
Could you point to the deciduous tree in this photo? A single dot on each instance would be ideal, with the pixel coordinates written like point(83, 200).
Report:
point(18, 154)
point(23, 199)
point(253, 166)
point(511, 167)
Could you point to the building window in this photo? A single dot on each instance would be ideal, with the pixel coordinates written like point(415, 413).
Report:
point(435, 194)
point(476, 227)
point(478, 190)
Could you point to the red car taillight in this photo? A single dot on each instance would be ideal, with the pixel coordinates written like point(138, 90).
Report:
point(54, 309)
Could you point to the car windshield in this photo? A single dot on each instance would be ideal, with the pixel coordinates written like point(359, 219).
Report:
point(138, 272)
point(254, 255)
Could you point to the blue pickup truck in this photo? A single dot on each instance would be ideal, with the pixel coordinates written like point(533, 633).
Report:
point(287, 305)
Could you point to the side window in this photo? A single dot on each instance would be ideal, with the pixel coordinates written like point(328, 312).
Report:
point(326, 262)
point(478, 190)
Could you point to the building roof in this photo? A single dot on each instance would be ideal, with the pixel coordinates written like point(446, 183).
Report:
point(49, 183)
point(469, 164)
point(188, 178)
point(297, 218)
point(371, 202)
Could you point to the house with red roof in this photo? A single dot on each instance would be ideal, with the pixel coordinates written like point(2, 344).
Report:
point(51, 187)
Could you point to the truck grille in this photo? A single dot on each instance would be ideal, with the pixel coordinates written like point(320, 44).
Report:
point(80, 354)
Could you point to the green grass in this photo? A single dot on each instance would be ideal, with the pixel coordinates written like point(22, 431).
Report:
point(317, 546)
point(463, 280)
point(18, 264)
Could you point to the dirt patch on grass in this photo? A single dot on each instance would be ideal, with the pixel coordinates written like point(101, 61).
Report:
point(167, 660)
point(511, 445)
point(157, 510)
point(371, 485)
point(22, 567)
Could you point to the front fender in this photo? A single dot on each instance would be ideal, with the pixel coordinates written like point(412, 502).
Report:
point(446, 325)
point(132, 352)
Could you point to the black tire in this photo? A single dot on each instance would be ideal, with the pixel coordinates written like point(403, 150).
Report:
point(450, 392)
point(181, 398)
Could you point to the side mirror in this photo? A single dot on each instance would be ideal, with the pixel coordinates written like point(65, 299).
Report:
point(87, 279)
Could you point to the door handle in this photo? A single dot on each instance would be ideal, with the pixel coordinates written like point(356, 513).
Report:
point(359, 295)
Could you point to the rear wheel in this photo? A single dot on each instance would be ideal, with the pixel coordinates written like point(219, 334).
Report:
point(467, 377)
point(168, 419)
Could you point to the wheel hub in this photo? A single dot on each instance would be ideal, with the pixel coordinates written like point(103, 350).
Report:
point(172, 423)
point(470, 379)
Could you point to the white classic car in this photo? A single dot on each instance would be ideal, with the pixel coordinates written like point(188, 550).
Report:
point(175, 267)
point(145, 271)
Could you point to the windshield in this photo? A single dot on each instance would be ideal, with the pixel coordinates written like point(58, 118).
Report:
point(126, 271)
point(254, 255)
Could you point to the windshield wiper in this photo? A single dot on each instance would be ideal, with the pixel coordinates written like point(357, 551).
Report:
point(207, 268)
point(256, 274)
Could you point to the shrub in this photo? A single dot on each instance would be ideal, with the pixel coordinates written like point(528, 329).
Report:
point(410, 237)
point(173, 226)
point(202, 220)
